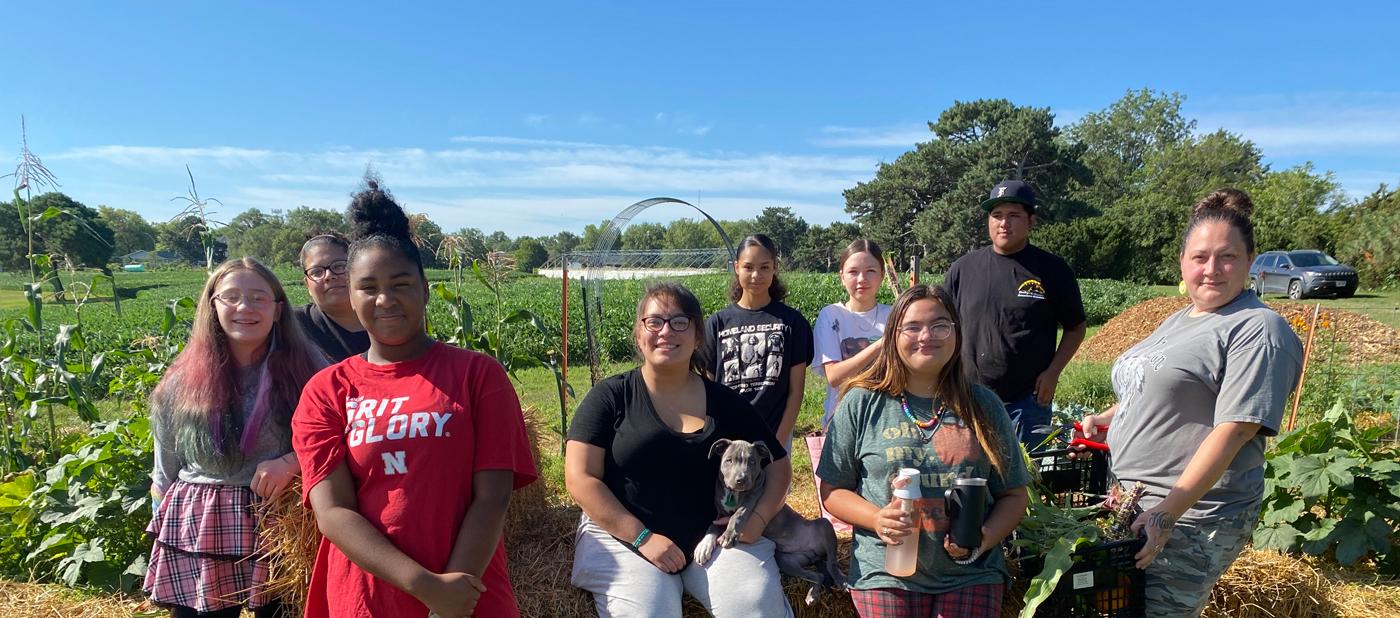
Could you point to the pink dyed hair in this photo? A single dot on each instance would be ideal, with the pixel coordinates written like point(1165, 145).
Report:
point(202, 386)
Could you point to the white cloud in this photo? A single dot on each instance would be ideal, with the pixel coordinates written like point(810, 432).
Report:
point(519, 185)
point(900, 136)
point(1308, 124)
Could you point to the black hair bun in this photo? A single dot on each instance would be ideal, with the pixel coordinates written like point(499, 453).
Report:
point(1223, 201)
point(373, 212)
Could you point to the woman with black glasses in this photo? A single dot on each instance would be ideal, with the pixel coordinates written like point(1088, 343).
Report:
point(638, 463)
point(328, 320)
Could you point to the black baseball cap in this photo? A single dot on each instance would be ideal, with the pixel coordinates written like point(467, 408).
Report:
point(1014, 191)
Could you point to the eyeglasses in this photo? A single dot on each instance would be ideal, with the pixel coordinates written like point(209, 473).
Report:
point(941, 329)
point(317, 273)
point(233, 298)
point(679, 323)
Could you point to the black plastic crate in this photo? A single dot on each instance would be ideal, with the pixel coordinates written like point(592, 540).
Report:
point(1103, 583)
point(1061, 475)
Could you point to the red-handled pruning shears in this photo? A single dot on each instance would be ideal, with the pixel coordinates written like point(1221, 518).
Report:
point(1095, 443)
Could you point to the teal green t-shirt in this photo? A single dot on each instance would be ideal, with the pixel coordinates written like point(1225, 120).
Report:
point(870, 439)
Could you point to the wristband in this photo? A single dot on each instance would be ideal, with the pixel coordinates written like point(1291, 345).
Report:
point(641, 538)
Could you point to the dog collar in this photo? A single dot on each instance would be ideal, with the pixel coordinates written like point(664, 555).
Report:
point(730, 501)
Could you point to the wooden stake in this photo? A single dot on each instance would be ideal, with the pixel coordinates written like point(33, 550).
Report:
point(1302, 377)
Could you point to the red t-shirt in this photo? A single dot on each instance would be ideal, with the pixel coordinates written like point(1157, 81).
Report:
point(412, 433)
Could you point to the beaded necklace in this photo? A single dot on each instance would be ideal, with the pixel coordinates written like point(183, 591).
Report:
point(933, 423)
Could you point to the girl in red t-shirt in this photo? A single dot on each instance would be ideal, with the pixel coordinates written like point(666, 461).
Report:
point(409, 451)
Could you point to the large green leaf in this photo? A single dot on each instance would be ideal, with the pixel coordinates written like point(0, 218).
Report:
point(1284, 511)
point(1283, 537)
point(1058, 560)
point(1310, 472)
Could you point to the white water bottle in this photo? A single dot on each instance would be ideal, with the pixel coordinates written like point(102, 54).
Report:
point(902, 559)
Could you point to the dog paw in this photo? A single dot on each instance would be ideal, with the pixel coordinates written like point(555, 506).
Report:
point(728, 539)
point(705, 550)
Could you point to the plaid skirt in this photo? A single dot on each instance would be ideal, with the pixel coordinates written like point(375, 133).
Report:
point(206, 555)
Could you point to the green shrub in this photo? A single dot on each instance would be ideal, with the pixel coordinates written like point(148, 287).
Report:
point(1085, 384)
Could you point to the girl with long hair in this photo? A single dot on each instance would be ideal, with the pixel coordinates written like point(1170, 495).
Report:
point(221, 417)
point(638, 461)
point(759, 346)
point(845, 332)
point(913, 408)
point(410, 451)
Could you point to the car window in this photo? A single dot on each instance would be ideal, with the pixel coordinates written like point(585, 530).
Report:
point(1282, 261)
point(1262, 261)
point(1270, 261)
point(1304, 259)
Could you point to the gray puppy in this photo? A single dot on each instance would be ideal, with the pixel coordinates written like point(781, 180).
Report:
point(806, 548)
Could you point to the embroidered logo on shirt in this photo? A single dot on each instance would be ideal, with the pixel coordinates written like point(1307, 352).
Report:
point(1031, 289)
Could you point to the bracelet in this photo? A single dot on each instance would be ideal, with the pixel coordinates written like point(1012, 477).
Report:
point(641, 538)
point(976, 553)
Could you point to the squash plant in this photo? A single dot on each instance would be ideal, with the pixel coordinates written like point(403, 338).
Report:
point(1333, 486)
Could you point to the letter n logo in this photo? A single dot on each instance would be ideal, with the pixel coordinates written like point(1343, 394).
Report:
point(394, 463)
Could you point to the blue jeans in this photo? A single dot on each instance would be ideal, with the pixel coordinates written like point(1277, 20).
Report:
point(1030, 420)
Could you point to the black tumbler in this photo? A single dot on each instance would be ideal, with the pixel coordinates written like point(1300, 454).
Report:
point(966, 504)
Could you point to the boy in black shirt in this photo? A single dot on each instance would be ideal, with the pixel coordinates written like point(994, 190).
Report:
point(1013, 296)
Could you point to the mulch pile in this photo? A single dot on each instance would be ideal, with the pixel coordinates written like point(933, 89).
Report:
point(1364, 340)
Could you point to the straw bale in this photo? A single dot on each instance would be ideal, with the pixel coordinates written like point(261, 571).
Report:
point(51, 600)
point(1267, 584)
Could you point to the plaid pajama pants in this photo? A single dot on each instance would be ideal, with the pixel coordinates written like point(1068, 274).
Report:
point(980, 601)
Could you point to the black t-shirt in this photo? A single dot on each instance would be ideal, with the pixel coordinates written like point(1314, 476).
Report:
point(335, 342)
point(753, 352)
point(1010, 306)
point(663, 477)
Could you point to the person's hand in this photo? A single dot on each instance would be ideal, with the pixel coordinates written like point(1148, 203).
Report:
point(892, 524)
point(663, 553)
point(1090, 426)
point(1045, 386)
point(452, 595)
point(960, 553)
point(273, 475)
point(753, 528)
point(1157, 523)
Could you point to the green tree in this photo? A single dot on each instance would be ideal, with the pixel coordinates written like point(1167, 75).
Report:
point(560, 243)
point(1171, 182)
point(1120, 139)
point(785, 228)
point(644, 236)
point(248, 220)
point(690, 234)
point(429, 238)
point(1293, 209)
point(473, 243)
point(77, 232)
point(1371, 239)
point(180, 236)
point(14, 242)
point(316, 220)
point(927, 199)
point(529, 254)
point(818, 249)
point(262, 241)
point(499, 241)
point(592, 233)
point(130, 231)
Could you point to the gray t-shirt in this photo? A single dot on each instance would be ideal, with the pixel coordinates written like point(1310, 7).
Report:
point(273, 442)
point(1236, 364)
point(870, 439)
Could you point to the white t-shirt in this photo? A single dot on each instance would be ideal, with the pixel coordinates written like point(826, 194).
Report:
point(840, 334)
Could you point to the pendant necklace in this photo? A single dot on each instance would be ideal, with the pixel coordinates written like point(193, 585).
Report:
point(930, 425)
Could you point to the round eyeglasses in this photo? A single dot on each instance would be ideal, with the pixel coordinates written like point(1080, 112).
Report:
point(233, 298)
point(679, 323)
point(942, 329)
point(317, 273)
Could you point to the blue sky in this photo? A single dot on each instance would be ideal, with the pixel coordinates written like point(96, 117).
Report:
point(533, 118)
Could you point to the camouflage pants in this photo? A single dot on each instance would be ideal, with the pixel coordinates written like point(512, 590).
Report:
point(1179, 581)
